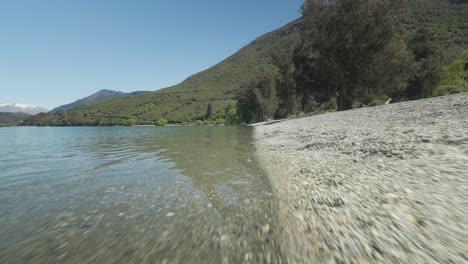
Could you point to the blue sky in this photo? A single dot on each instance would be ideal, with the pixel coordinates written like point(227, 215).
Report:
point(53, 52)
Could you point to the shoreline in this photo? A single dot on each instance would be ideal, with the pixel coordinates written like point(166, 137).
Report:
point(379, 184)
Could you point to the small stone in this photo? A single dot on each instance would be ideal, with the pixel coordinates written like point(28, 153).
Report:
point(224, 241)
point(338, 202)
point(299, 216)
point(62, 256)
point(170, 214)
point(266, 228)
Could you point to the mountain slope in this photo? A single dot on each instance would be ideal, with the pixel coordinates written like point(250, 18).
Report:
point(446, 19)
point(219, 84)
point(188, 100)
point(96, 97)
point(25, 108)
point(12, 119)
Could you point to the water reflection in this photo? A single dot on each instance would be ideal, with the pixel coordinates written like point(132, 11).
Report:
point(145, 195)
point(208, 155)
point(212, 158)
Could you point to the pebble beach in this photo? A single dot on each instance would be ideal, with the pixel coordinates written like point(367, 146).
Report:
point(386, 184)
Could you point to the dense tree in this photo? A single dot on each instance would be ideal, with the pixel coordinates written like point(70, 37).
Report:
point(231, 115)
point(311, 81)
point(427, 54)
point(257, 100)
point(358, 46)
point(12, 119)
point(209, 112)
point(289, 101)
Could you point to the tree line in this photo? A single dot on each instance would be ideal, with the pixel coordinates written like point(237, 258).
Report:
point(353, 53)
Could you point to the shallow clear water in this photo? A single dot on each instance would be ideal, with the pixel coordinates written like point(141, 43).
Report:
point(133, 195)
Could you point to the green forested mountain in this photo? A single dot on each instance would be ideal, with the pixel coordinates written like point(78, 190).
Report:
point(12, 119)
point(188, 100)
point(445, 20)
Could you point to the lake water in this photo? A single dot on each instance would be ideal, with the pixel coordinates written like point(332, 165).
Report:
point(134, 195)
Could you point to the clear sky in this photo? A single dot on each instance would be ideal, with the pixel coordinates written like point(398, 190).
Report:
point(53, 52)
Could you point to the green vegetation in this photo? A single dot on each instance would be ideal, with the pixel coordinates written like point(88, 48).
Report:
point(232, 116)
point(185, 102)
point(357, 59)
point(220, 121)
point(257, 100)
point(454, 77)
point(162, 122)
point(356, 53)
point(12, 119)
point(360, 54)
point(209, 111)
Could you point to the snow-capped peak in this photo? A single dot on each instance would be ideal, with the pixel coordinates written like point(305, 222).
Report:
point(26, 108)
point(19, 105)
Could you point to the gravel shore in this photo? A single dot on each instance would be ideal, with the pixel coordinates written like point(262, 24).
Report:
point(381, 184)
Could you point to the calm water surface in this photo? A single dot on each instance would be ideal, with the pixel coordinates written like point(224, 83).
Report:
point(133, 195)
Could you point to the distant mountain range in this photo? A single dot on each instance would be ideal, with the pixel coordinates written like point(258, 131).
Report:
point(96, 97)
point(25, 108)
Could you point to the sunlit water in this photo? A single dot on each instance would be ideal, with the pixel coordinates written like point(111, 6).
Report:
point(133, 195)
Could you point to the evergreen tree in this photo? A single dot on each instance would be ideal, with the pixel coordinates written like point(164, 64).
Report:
point(258, 101)
point(358, 46)
point(428, 62)
point(286, 85)
point(209, 112)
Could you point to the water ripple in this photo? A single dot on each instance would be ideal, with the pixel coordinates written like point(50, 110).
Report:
point(132, 195)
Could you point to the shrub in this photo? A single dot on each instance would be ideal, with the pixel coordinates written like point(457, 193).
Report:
point(232, 116)
point(455, 79)
point(129, 122)
point(328, 106)
point(453, 74)
point(198, 122)
point(449, 89)
point(281, 113)
point(220, 121)
point(206, 123)
point(300, 114)
point(376, 102)
point(161, 122)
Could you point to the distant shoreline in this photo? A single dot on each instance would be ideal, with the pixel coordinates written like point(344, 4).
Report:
point(378, 184)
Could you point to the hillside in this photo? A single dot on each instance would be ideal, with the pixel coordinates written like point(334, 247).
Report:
point(220, 84)
point(188, 100)
point(447, 19)
point(96, 97)
point(12, 119)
